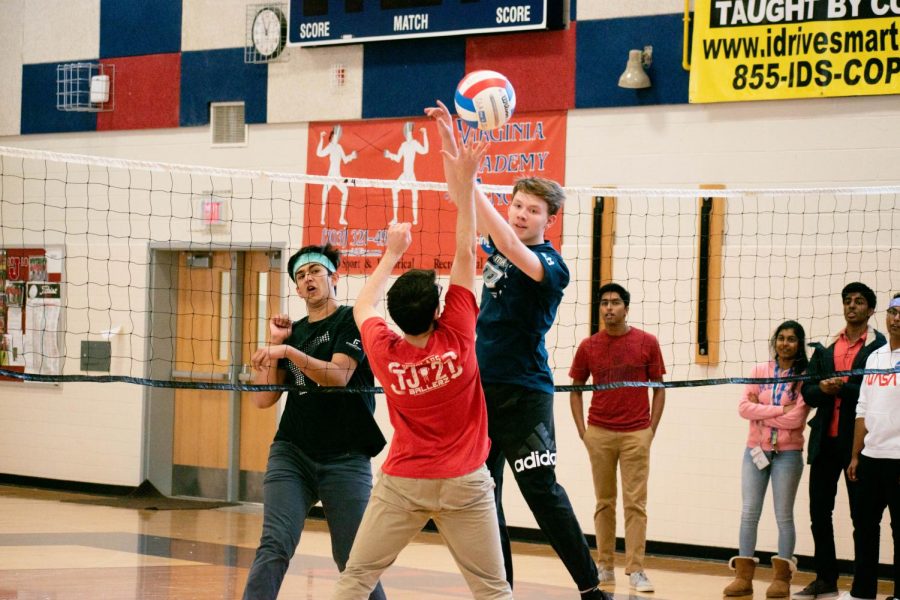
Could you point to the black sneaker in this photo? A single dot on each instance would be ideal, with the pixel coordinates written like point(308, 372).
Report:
point(817, 590)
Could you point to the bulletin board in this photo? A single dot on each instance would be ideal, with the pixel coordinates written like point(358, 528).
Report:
point(31, 310)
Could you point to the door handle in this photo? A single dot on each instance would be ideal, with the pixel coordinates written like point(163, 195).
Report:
point(245, 375)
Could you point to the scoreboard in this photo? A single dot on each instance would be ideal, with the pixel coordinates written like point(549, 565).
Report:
point(323, 22)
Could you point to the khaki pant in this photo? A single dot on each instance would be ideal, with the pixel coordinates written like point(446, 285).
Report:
point(631, 450)
point(463, 510)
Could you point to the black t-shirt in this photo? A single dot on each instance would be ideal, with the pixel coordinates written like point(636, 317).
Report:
point(329, 424)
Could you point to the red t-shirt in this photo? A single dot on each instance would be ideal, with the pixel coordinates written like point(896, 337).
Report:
point(605, 358)
point(434, 394)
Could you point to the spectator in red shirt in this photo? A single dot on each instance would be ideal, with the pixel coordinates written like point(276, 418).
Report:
point(435, 468)
point(620, 428)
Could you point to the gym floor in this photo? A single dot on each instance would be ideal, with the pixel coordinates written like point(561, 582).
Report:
point(52, 548)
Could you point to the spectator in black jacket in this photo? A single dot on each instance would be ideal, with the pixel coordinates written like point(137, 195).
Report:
point(831, 435)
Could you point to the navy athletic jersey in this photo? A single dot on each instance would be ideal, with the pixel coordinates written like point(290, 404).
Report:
point(516, 313)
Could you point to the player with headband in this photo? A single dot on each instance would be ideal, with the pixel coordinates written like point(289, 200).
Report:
point(325, 440)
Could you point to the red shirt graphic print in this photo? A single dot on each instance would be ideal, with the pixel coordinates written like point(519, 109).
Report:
point(428, 375)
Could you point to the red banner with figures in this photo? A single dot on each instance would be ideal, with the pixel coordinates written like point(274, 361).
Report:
point(355, 219)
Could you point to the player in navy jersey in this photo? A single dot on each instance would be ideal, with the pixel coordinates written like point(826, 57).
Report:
point(524, 279)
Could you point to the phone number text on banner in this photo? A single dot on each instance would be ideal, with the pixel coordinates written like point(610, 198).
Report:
point(777, 49)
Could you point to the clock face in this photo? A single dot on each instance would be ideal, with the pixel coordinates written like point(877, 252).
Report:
point(267, 33)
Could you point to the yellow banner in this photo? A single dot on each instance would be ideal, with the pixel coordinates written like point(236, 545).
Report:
point(775, 49)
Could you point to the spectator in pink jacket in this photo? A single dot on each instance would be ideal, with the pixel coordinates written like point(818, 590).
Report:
point(774, 451)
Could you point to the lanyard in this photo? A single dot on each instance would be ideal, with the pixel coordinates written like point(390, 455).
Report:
point(778, 390)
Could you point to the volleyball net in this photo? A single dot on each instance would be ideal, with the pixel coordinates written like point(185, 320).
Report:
point(166, 275)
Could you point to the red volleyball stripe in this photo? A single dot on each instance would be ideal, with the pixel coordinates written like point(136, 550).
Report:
point(480, 86)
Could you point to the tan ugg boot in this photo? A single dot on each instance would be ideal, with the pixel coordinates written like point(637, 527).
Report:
point(743, 567)
point(783, 571)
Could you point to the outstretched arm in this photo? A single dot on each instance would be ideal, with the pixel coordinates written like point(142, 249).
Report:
point(488, 220)
point(462, 169)
point(505, 239)
point(399, 238)
point(441, 115)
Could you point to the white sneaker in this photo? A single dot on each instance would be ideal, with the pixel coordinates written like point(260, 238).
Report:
point(639, 582)
point(849, 596)
point(607, 577)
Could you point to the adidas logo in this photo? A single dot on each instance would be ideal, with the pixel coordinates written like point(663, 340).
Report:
point(534, 460)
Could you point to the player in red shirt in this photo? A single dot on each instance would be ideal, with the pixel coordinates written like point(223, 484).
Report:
point(435, 467)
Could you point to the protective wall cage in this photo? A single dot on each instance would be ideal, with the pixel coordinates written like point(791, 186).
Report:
point(85, 87)
point(251, 54)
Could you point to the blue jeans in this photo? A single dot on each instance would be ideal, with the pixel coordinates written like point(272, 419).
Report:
point(292, 485)
point(785, 469)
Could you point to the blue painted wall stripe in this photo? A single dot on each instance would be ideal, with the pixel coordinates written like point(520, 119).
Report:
point(221, 76)
point(139, 27)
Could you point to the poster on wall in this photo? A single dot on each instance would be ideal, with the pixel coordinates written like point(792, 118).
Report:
point(31, 310)
point(42, 313)
point(356, 219)
point(768, 50)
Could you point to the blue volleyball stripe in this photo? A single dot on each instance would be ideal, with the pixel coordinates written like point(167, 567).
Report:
point(464, 103)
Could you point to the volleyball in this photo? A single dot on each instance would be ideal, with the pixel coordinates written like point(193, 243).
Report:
point(485, 100)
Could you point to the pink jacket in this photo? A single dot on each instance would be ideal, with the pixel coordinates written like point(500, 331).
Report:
point(764, 417)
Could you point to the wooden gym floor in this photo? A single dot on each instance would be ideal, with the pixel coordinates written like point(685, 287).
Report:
point(54, 550)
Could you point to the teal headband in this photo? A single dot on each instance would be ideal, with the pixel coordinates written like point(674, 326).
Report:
point(312, 257)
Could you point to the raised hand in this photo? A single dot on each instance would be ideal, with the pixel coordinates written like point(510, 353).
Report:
point(399, 237)
point(467, 159)
point(441, 115)
point(279, 328)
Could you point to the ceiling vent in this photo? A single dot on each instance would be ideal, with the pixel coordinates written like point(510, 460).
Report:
point(227, 124)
